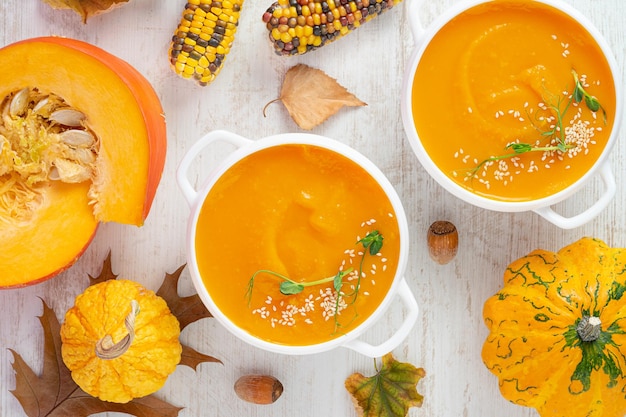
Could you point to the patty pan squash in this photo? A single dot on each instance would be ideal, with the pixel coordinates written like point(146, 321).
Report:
point(120, 341)
point(557, 328)
point(82, 141)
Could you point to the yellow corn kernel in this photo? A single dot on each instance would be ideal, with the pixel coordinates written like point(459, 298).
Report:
point(285, 37)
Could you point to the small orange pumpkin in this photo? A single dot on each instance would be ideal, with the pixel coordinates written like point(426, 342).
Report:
point(557, 328)
point(120, 341)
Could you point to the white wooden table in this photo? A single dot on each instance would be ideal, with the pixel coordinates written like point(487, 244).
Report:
point(449, 332)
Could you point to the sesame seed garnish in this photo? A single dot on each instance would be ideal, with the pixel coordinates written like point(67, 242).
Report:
point(324, 303)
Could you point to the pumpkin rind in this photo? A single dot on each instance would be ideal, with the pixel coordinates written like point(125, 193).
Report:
point(152, 356)
point(124, 111)
point(534, 348)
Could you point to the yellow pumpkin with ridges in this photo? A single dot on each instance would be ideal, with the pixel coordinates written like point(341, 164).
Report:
point(120, 341)
point(557, 337)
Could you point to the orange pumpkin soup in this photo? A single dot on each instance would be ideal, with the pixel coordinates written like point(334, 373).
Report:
point(298, 211)
point(500, 100)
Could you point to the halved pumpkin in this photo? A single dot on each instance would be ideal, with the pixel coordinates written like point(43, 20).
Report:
point(51, 200)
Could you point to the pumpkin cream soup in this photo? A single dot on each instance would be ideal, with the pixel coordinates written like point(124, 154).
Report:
point(297, 244)
point(513, 100)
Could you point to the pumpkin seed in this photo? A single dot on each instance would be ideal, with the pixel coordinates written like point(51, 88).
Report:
point(41, 104)
point(19, 102)
point(70, 172)
point(68, 117)
point(76, 137)
point(82, 155)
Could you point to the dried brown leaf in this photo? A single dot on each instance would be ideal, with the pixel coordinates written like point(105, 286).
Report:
point(311, 96)
point(86, 8)
point(55, 394)
point(186, 309)
point(106, 273)
point(192, 358)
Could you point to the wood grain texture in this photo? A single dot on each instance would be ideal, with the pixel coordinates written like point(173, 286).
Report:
point(448, 336)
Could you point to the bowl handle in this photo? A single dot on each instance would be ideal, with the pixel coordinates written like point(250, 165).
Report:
point(403, 331)
point(413, 8)
point(606, 174)
point(186, 187)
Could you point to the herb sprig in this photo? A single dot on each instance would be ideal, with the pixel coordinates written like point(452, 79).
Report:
point(557, 131)
point(372, 243)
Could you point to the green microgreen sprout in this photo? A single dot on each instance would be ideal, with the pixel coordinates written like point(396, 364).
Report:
point(372, 244)
point(591, 101)
point(556, 132)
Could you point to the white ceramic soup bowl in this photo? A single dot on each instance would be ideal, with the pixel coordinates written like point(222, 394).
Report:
point(244, 147)
point(542, 206)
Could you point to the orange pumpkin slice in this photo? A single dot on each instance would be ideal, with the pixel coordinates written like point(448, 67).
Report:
point(82, 141)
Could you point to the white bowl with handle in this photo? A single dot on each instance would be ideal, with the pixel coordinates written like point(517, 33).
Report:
point(399, 288)
point(542, 206)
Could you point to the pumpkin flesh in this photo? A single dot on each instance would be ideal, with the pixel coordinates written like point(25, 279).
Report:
point(534, 347)
point(123, 112)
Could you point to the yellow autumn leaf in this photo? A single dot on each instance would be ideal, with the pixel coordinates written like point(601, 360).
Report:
point(311, 96)
point(86, 8)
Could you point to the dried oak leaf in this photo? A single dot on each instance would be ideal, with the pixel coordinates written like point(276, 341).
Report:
point(86, 8)
point(389, 393)
point(55, 394)
point(311, 96)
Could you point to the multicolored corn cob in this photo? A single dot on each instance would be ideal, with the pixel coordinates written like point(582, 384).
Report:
point(203, 38)
point(300, 26)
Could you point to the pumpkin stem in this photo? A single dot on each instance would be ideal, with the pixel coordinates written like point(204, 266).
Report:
point(589, 328)
point(106, 349)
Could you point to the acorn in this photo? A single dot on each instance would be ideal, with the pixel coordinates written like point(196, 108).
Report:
point(443, 241)
point(258, 389)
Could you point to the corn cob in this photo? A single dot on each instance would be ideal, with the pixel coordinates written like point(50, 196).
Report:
point(203, 38)
point(300, 26)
